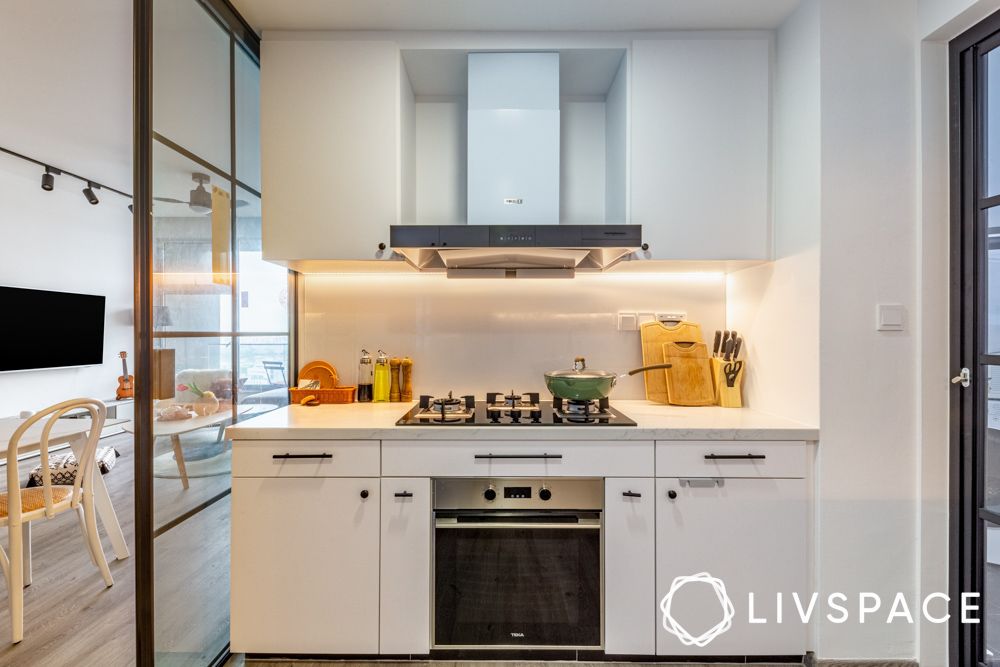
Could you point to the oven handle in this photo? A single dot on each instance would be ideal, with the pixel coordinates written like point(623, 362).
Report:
point(584, 524)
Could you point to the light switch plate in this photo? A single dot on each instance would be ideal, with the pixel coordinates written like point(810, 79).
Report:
point(646, 317)
point(890, 317)
point(628, 322)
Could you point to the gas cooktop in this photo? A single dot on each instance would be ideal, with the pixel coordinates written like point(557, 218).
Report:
point(511, 409)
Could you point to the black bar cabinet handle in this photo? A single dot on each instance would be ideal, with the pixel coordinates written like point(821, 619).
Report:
point(631, 494)
point(741, 457)
point(518, 456)
point(403, 494)
point(324, 455)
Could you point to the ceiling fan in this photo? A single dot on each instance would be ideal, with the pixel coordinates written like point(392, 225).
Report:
point(200, 199)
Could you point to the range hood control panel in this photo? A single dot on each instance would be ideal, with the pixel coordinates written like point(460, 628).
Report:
point(514, 236)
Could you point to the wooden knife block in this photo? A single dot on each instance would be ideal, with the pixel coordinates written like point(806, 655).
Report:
point(726, 396)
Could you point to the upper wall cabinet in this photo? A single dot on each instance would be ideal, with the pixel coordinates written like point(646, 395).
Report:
point(700, 147)
point(330, 136)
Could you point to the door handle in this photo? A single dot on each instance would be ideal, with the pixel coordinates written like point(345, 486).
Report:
point(403, 494)
point(964, 378)
point(735, 457)
point(302, 456)
point(631, 494)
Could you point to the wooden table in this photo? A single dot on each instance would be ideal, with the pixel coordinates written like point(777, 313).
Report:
point(174, 428)
point(74, 433)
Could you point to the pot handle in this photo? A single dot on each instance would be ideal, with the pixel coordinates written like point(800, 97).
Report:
point(654, 367)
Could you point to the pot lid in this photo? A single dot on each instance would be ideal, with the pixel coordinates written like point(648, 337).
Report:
point(580, 371)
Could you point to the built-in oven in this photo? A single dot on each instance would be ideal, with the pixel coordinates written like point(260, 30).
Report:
point(517, 563)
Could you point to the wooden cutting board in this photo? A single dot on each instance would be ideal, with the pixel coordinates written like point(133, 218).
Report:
point(654, 335)
point(689, 380)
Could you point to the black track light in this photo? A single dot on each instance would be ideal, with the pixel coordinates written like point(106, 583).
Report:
point(88, 192)
point(48, 180)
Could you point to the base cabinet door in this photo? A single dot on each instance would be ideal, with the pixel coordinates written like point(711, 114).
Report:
point(629, 567)
point(305, 577)
point(751, 535)
point(405, 620)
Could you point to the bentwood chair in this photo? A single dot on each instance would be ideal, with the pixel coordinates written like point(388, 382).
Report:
point(21, 506)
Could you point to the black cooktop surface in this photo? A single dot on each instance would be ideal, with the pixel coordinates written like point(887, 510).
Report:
point(526, 411)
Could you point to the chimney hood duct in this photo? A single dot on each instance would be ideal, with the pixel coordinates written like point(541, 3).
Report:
point(513, 142)
point(513, 183)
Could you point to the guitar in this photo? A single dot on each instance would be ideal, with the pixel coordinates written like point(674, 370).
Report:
point(126, 386)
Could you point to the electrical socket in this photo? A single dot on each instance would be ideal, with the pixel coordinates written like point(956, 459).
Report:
point(671, 316)
point(628, 322)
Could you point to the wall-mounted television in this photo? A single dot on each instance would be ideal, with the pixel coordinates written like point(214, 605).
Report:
point(41, 329)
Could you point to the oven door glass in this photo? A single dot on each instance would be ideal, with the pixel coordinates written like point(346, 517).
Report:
point(517, 585)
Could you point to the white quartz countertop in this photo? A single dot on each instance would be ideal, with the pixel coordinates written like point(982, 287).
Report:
point(377, 421)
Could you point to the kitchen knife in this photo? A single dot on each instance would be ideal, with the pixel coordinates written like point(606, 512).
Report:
point(732, 336)
point(725, 339)
point(717, 345)
point(728, 350)
point(736, 350)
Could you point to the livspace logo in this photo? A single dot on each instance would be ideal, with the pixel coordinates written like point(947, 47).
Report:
point(933, 608)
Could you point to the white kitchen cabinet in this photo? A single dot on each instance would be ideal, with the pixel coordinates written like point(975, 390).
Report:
point(405, 624)
point(629, 567)
point(700, 147)
point(305, 567)
point(329, 145)
point(752, 535)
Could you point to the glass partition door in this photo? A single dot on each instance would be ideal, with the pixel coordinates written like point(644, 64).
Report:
point(218, 315)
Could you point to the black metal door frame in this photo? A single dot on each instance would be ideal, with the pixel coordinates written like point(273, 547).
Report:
point(968, 315)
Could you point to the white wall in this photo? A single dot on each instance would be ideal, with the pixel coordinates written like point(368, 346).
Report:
point(66, 72)
point(868, 457)
point(616, 147)
point(494, 335)
point(581, 159)
point(775, 305)
point(440, 162)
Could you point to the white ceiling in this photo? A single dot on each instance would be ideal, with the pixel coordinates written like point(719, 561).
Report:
point(525, 15)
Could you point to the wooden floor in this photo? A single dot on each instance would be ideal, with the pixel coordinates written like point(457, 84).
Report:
point(70, 618)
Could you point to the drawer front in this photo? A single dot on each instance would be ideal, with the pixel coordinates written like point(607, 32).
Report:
point(520, 458)
point(731, 459)
point(306, 458)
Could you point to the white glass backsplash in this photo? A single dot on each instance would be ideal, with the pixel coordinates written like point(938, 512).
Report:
point(495, 335)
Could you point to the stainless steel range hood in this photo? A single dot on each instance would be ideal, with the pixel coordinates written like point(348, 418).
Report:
point(528, 249)
point(513, 184)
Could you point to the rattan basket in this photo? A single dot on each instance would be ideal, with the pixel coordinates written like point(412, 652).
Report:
point(329, 391)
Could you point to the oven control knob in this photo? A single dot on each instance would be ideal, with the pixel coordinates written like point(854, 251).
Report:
point(672, 494)
point(544, 493)
point(490, 493)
